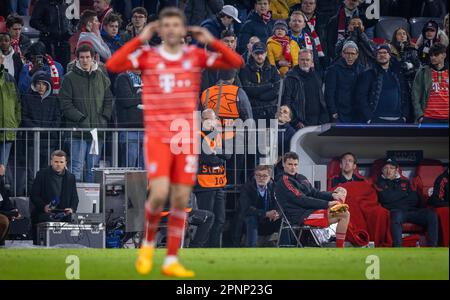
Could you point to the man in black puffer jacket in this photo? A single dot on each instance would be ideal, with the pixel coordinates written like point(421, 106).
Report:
point(261, 82)
point(49, 17)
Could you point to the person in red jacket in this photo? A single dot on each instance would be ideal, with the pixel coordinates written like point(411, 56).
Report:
point(171, 83)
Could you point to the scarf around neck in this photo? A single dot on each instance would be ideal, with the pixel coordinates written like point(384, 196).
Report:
point(54, 74)
point(285, 44)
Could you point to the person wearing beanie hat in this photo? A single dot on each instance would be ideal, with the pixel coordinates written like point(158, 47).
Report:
point(382, 91)
point(356, 33)
point(431, 34)
point(396, 195)
point(340, 83)
point(282, 52)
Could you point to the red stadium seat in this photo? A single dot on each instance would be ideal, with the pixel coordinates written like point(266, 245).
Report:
point(2, 24)
point(426, 173)
point(379, 41)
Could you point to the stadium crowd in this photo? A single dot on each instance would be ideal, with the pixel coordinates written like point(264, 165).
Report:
point(326, 56)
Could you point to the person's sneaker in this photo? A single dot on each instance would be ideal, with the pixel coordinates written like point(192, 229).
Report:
point(176, 270)
point(144, 262)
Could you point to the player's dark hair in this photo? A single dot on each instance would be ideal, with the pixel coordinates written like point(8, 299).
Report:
point(290, 155)
point(13, 19)
point(351, 154)
point(437, 49)
point(170, 12)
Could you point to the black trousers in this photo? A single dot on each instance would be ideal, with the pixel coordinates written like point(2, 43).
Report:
point(423, 217)
point(213, 201)
point(434, 121)
point(203, 220)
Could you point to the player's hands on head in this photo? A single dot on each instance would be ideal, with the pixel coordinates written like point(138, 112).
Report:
point(201, 34)
point(148, 31)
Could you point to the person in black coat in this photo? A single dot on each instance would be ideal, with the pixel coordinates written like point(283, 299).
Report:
point(303, 204)
point(7, 210)
point(199, 10)
point(53, 188)
point(303, 93)
point(128, 89)
point(49, 17)
point(20, 42)
point(259, 23)
point(261, 82)
point(396, 195)
point(340, 85)
point(382, 91)
point(258, 205)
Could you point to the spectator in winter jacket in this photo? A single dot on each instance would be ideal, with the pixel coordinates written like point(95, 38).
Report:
point(259, 23)
point(305, 205)
point(19, 41)
point(279, 9)
point(139, 17)
point(338, 25)
point(90, 33)
point(404, 51)
point(258, 205)
point(128, 91)
point(382, 91)
point(110, 34)
point(222, 21)
point(439, 198)
point(49, 17)
point(285, 130)
point(12, 61)
point(299, 32)
point(430, 89)
point(340, 84)
point(396, 195)
point(261, 82)
point(85, 107)
point(356, 34)
point(282, 52)
point(431, 34)
point(40, 109)
point(303, 93)
point(198, 11)
point(9, 112)
point(7, 210)
point(38, 59)
point(248, 53)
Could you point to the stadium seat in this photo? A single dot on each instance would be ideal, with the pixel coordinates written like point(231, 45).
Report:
point(334, 169)
point(426, 173)
point(387, 25)
point(418, 23)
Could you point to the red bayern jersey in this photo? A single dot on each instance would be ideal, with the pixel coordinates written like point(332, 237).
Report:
point(171, 83)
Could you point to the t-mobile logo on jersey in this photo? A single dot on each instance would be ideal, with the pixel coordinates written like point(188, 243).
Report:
point(437, 87)
point(167, 82)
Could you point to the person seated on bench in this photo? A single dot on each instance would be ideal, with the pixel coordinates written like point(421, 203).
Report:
point(305, 205)
point(7, 211)
point(54, 189)
point(258, 205)
point(395, 194)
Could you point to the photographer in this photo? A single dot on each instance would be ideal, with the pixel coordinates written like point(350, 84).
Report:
point(38, 59)
point(356, 34)
point(54, 193)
